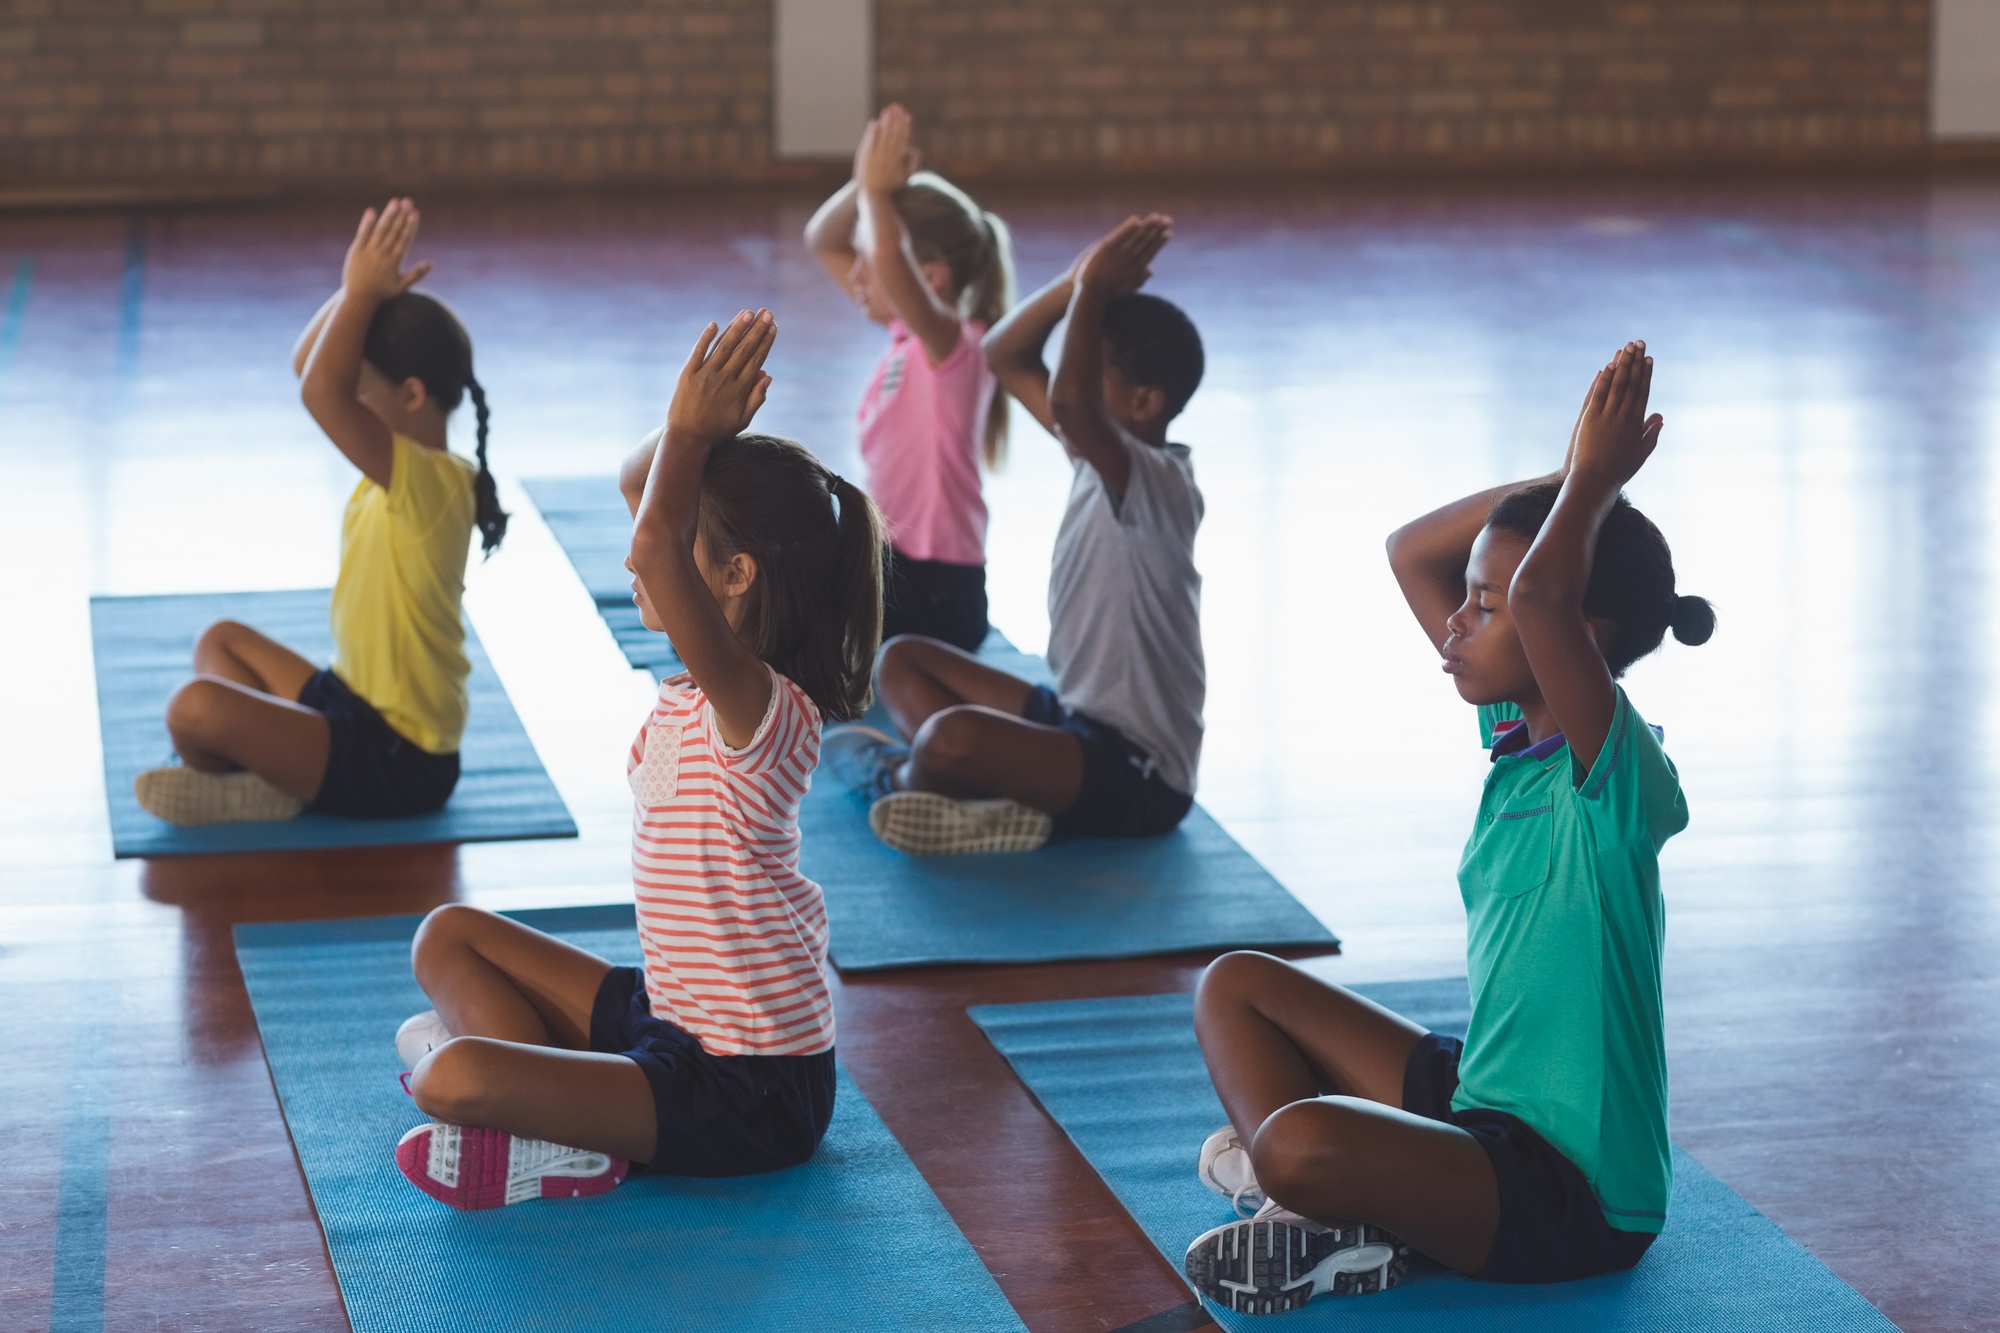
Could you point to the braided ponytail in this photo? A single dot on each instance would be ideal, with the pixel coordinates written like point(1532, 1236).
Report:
point(415, 335)
point(487, 513)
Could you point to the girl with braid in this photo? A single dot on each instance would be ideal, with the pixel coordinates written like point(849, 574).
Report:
point(262, 732)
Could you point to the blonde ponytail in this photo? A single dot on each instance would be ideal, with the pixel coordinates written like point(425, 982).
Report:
point(947, 227)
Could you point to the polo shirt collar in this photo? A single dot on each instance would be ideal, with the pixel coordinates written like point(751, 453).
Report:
point(1513, 743)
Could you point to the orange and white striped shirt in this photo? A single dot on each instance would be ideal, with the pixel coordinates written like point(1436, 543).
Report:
point(734, 936)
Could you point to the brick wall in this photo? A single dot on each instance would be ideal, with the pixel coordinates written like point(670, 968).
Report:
point(193, 96)
point(190, 95)
point(1150, 85)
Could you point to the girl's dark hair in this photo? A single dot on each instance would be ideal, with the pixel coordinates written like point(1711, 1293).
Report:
point(416, 336)
point(947, 227)
point(1631, 576)
point(815, 609)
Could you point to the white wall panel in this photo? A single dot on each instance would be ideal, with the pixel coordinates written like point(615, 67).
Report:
point(822, 75)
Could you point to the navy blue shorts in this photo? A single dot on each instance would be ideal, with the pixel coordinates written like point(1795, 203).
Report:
point(1122, 796)
point(935, 598)
point(716, 1115)
point(372, 771)
point(1551, 1229)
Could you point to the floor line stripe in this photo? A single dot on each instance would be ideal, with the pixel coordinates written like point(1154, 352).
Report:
point(77, 1302)
point(131, 295)
point(17, 309)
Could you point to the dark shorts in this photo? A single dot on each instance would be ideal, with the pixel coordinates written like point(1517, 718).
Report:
point(934, 598)
point(1122, 796)
point(717, 1115)
point(1551, 1229)
point(372, 772)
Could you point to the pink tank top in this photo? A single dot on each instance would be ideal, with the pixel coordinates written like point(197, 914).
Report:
point(921, 427)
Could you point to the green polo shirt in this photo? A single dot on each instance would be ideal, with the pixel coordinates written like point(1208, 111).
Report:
point(1564, 919)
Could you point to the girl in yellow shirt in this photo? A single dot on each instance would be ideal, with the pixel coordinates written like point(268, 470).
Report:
point(263, 732)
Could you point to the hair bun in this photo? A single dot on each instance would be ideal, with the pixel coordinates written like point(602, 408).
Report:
point(1693, 620)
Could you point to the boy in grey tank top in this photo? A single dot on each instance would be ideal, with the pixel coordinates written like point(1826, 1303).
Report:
point(986, 761)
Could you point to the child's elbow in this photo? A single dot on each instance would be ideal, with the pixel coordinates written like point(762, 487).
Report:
point(1532, 592)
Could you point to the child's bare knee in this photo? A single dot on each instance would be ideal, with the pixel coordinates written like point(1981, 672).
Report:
point(196, 711)
point(442, 930)
point(453, 1083)
point(949, 742)
point(899, 659)
point(1232, 977)
point(1303, 1150)
point(220, 635)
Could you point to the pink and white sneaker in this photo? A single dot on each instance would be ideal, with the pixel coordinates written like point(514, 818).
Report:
point(469, 1168)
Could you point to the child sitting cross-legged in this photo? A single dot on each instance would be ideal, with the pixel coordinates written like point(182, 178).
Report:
point(549, 1070)
point(988, 762)
point(1535, 1150)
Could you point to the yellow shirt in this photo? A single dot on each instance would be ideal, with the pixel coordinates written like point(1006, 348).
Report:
point(398, 629)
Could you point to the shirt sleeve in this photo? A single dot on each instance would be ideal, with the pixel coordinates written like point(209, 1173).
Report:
point(426, 485)
point(1159, 493)
point(1632, 792)
point(788, 737)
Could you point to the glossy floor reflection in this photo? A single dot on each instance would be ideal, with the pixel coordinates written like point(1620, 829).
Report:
point(1827, 368)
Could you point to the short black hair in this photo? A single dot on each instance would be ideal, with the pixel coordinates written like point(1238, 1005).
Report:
point(1631, 576)
point(1153, 342)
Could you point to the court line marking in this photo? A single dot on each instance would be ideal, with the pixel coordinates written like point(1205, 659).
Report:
point(17, 309)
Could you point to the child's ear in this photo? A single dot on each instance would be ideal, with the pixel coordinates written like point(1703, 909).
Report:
point(413, 394)
point(1149, 403)
point(739, 574)
point(938, 275)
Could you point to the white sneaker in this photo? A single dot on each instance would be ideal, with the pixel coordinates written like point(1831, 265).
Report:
point(489, 1168)
point(1278, 1261)
point(419, 1036)
point(1224, 1166)
point(862, 759)
point(924, 823)
point(191, 798)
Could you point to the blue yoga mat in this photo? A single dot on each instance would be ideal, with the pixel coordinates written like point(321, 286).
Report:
point(854, 1239)
point(1125, 1080)
point(590, 522)
point(1195, 888)
point(143, 647)
point(1077, 898)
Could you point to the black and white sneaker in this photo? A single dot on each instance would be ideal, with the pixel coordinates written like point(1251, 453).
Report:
point(1277, 1261)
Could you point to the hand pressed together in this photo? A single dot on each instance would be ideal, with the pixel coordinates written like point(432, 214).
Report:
point(374, 268)
point(1120, 264)
point(885, 161)
point(1614, 436)
point(724, 382)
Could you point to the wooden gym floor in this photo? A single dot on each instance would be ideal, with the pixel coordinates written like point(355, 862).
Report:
point(1827, 365)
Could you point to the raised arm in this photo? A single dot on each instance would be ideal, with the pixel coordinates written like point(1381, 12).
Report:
point(1116, 266)
point(720, 389)
point(302, 350)
point(1428, 555)
point(1614, 437)
point(882, 164)
point(638, 466)
point(830, 234)
point(1014, 347)
point(373, 273)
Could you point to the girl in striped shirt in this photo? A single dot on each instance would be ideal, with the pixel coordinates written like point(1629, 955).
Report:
point(549, 1070)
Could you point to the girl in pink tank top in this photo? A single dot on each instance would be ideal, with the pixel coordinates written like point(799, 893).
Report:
point(919, 256)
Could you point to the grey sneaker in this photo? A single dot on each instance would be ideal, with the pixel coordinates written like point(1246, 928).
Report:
point(1278, 1261)
point(862, 759)
point(191, 798)
point(924, 823)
